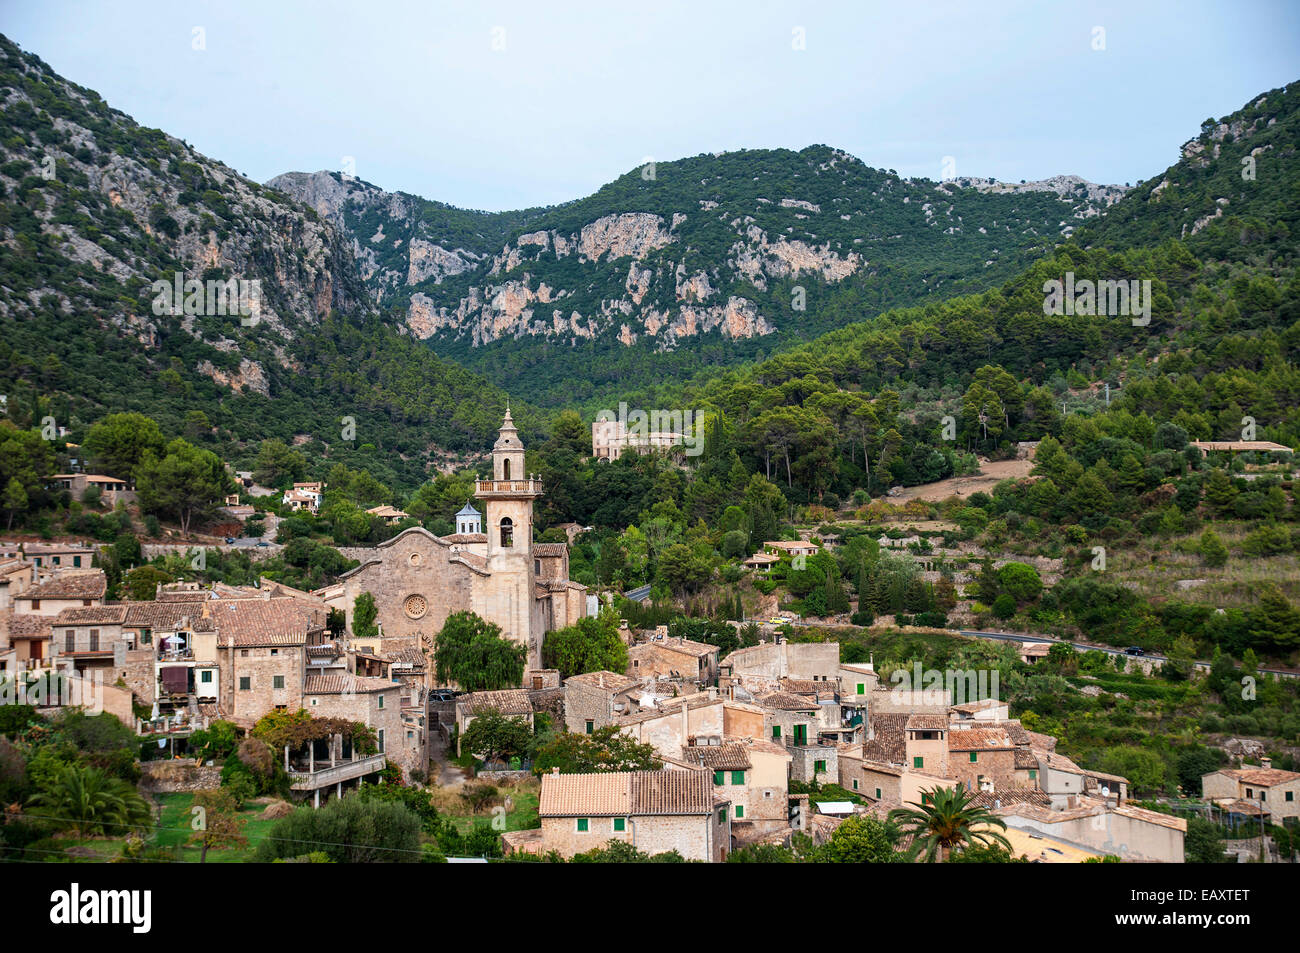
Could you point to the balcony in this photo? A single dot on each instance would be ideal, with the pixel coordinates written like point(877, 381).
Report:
point(325, 774)
point(519, 488)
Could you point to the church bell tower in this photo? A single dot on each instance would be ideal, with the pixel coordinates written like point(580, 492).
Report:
point(508, 502)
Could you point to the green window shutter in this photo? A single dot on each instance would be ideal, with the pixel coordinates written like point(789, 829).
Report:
point(877, 794)
point(277, 681)
point(819, 766)
point(245, 682)
point(740, 811)
point(591, 726)
point(1032, 774)
point(737, 777)
point(918, 762)
point(620, 825)
point(776, 731)
point(719, 777)
point(205, 677)
point(582, 824)
point(862, 688)
point(1290, 795)
point(973, 756)
point(855, 785)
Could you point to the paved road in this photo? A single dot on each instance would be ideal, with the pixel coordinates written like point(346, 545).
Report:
point(1202, 664)
point(637, 594)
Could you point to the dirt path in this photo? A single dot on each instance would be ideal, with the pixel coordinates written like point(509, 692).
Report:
point(989, 476)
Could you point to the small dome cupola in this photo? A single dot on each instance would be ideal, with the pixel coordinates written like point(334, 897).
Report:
point(469, 520)
point(508, 452)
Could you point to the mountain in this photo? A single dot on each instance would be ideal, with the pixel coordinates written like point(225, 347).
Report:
point(681, 265)
point(95, 209)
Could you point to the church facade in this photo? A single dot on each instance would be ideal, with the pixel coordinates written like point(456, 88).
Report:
point(489, 566)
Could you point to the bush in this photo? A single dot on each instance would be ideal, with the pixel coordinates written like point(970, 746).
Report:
point(935, 620)
point(352, 830)
point(1004, 606)
point(863, 617)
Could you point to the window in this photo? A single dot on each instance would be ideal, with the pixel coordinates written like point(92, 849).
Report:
point(801, 734)
point(1263, 795)
point(1033, 775)
point(737, 777)
point(584, 825)
point(740, 811)
point(70, 640)
point(1290, 795)
point(591, 726)
point(94, 640)
point(620, 825)
point(776, 731)
point(505, 469)
point(819, 767)
point(381, 701)
point(537, 567)
point(877, 794)
point(410, 735)
point(719, 777)
point(722, 815)
point(973, 756)
point(1250, 792)
point(205, 677)
point(275, 651)
point(381, 740)
point(507, 533)
point(918, 762)
point(277, 681)
point(243, 653)
point(245, 682)
point(855, 785)
point(862, 688)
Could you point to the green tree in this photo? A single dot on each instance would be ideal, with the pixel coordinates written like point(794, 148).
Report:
point(219, 823)
point(14, 501)
point(364, 613)
point(120, 442)
point(89, 800)
point(278, 464)
point(349, 830)
point(946, 820)
point(493, 736)
point(858, 840)
point(1212, 550)
point(605, 749)
point(589, 645)
point(183, 484)
point(472, 653)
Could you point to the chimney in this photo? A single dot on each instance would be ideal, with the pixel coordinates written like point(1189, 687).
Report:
point(1266, 763)
point(555, 770)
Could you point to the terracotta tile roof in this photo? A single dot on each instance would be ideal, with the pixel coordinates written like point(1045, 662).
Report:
point(801, 686)
point(1262, 777)
point(684, 646)
point(70, 585)
point(882, 767)
point(784, 701)
point(971, 708)
point(1041, 742)
point(159, 615)
point(514, 701)
point(990, 799)
point(1242, 806)
point(610, 681)
point(1016, 732)
point(183, 595)
point(923, 722)
point(626, 794)
point(1025, 759)
point(1058, 762)
point(23, 625)
point(465, 538)
point(978, 739)
point(408, 656)
point(345, 684)
point(261, 622)
point(890, 741)
point(473, 560)
point(91, 615)
point(724, 757)
point(550, 549)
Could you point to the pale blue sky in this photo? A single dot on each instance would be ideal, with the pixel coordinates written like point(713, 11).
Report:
point(417, 94)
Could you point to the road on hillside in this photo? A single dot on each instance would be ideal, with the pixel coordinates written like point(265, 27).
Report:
point(1201, 664)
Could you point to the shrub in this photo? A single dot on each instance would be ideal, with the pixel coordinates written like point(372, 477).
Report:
point(350, 830)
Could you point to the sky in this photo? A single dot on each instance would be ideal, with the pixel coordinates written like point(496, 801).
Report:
point(497, 105)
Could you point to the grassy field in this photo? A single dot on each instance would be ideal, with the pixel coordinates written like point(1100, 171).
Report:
point(522, 814)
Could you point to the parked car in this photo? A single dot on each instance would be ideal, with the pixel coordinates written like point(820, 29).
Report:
point(230, 539)
point(1135, 650)
point(262, 542)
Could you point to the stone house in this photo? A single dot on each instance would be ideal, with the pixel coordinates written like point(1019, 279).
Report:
point(752, 774)
point(758, 669)
point(376, 703)
point(655, 811)
point(16, 576)
point(1271, 789)
point(69, 589)
point(981, 759)
point(89, 639)
point(111, 489)
point(677, 723)
point(593, 700)
point(674, 657)
point(261, 651)
point(513, 703)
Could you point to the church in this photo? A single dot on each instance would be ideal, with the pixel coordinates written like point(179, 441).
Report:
point(496, 571)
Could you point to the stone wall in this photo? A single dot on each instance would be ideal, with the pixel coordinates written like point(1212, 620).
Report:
point(182, 774)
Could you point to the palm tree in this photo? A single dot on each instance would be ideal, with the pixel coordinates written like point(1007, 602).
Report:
point(946, 819)
point(89, 800)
